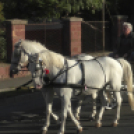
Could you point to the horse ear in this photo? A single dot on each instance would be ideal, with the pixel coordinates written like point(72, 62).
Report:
point(19, 42)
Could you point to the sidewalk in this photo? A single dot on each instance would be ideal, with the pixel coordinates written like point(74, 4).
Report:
point(13, 83)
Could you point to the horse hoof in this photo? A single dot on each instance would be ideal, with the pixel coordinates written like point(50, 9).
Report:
point(98, 125)
point(115, 124)
point(61, 133)
point(78, 117)
point(79, 130)
point(44, 132)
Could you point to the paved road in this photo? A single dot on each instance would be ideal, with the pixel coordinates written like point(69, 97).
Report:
point(25, 114)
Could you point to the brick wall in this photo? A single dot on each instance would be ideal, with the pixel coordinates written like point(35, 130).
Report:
point(15, 30)
point(5, 72)
point(65, 37)
point(75, 28)
point(72, 36)
point(56, 37)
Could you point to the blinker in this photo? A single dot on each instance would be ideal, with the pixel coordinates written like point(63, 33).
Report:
point(38, 67)
point(17, 52)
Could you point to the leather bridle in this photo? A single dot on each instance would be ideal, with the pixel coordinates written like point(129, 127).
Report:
point(17, 53)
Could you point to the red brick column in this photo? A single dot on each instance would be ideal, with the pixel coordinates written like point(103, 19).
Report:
point(15, 30)
point(117, 28)
point(72, 36)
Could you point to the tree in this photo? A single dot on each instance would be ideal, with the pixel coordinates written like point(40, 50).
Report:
point(2, 33)
point(1, 12)
point(74, 6)
point(38, 9)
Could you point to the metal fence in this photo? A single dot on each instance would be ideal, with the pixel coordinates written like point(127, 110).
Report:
point(92, 36)
point(49, 34)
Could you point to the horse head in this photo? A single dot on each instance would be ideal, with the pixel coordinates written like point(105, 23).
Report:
point(19, 58)
point(22, 50)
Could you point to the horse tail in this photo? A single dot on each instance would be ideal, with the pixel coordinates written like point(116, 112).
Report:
point(128, 79)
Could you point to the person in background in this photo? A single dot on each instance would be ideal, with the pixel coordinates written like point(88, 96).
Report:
point(125, 49)
point(125, 43)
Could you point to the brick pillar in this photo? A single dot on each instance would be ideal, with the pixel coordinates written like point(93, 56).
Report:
point(117, 28)
point(72, 36)
point(15, 30)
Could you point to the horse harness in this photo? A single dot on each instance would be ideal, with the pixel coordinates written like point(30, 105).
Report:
point(51, 83)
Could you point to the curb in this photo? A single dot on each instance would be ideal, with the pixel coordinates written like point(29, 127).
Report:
point(15, 89)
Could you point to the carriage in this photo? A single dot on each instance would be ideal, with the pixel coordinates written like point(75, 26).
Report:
point(55, 73)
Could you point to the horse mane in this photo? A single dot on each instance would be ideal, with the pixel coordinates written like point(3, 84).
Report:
point(49, 57)
point(27, 45)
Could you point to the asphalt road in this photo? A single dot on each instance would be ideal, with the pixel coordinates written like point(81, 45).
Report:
point(25, 114)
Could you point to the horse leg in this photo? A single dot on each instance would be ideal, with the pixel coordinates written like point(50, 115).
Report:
point(78, 109)
point(102, 109)
point(49, 100)
point(65, 101)
point(119, 101)
point(111, 100)
point(94, 96)
point(55, 117)
point(77, 124)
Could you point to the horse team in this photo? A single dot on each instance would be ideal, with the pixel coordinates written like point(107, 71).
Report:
point(52, 72)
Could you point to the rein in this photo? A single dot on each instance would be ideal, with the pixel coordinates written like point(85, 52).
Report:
point(62, 85)
point(78, 86)
point(63, 71)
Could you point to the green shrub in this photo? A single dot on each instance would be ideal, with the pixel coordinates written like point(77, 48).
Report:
point(3, 48)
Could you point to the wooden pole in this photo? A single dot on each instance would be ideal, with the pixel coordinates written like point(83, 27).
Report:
point(103, 21)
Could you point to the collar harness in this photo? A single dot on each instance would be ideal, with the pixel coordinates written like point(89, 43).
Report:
point(51, 83)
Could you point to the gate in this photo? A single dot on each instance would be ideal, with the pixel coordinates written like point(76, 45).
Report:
point(92, 36)
point(49, 33)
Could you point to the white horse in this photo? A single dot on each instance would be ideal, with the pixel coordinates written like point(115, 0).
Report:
point(17, 64)
point(114, 72)
point(20, 59)
point(55, 62)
